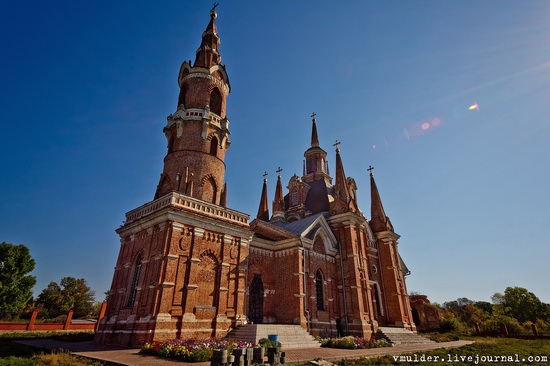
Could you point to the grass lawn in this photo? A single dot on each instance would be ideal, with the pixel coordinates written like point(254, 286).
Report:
point(519, 350)
point(15, 354)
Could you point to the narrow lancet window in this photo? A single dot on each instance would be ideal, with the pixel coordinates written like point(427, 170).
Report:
point(214, 146)
point(319, 287)
point(134, 284)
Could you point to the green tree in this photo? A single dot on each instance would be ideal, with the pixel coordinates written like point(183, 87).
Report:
point(465, 310)
point(51, 301)
point(521, 304)
point(71, 293)
point(15, 282)
point(487, 307)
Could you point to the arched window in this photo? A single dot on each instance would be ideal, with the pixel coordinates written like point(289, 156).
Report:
point(319, 290)
point(134, 284)
point(171, 143)
point(216, 102)
point(209, 190)
point(294, 197)
point(256, 300)
point(214, 146)
point(183, 93)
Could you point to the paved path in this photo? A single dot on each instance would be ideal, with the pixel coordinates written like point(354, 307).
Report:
point(130, 356)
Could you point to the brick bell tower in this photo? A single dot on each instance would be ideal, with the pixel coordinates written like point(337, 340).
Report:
point(198, 133)
point(181, 267)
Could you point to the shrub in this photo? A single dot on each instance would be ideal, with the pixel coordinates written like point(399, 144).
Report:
point(351, 342)
point(200, 355)
point(493, 324)
point(16, 361)
point(268, 343)
point(442, 337)
point(449, 324)
point(191, 350)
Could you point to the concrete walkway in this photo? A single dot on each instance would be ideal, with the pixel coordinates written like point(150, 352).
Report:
point(130, 356)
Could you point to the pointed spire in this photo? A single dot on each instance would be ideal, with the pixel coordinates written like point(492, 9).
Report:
point(314, 136)
point(340, 185)
point(279, 201)
point(208, 54)
point(379, 221)
point(263, 210)
point(223, 198)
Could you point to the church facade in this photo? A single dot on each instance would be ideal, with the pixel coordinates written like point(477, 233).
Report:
point(189, 266)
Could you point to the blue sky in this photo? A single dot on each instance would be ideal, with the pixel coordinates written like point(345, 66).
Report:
point(85, 88)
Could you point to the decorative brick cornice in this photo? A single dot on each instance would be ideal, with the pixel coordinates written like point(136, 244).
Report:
point(186, 203)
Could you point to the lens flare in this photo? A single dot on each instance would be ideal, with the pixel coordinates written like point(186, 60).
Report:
point(474, 106)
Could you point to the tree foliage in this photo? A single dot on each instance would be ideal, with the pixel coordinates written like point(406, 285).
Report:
point(70, 293)
point(466, 310)
point(519, 303)
point(15, 282)
point(516, 307)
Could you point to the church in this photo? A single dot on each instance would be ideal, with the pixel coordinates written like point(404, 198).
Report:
point(190, 267)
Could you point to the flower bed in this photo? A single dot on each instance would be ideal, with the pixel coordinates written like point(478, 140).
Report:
point(351, 342)
point(191, 350)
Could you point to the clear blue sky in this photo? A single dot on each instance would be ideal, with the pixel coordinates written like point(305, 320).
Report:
point(85, 88)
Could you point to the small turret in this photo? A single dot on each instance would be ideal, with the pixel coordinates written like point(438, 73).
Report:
point(263, 209)
point(379, 221)
point(341, 190)
point(279, 200)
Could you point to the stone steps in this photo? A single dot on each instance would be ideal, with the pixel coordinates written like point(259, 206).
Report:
point(400, 336)
point(290, 336)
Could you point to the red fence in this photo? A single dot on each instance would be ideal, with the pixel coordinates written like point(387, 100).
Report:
point(69, 324)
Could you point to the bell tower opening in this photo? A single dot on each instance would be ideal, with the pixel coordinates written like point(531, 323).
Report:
point(183, 93)
point(214, 146)
point(216, 101)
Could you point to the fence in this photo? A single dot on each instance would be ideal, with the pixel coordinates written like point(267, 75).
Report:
point(69, 324)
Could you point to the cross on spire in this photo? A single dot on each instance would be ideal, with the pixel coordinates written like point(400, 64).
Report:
point(265, 175)
point(336, 145)
point(279, 170)
point(370, 169)
point(313, 115)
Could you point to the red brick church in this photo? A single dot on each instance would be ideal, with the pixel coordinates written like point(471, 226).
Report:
point(189, 266)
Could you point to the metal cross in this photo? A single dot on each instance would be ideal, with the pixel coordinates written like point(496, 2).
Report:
point(265, 175)
point(313, 115)
point(370, 169)
point(215, 6)
point(279, 171)
point(336, 144)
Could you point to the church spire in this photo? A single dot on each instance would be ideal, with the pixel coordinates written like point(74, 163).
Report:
point(314, 137)
point(279, 201)
point(263, 210)
point(208, 52)
point(315, 157)
point(379, 221)
point(340, 185)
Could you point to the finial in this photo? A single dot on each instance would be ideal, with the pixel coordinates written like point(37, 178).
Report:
point(370, 169)
point(336, 145)
point(313, 116)
point(279, 170)
point(213, 10)
point(265, 176)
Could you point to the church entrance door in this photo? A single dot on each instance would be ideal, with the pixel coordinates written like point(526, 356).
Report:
point(256, 300)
